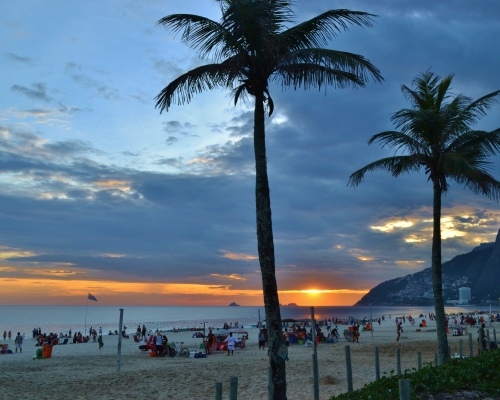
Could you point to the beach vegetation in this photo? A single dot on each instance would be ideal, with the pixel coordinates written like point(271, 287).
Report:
point(255, 43)
point(436, 135)
point(480, 375)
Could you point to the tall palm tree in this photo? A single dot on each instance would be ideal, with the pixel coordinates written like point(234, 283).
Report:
point(437, 136)
point(252, 45)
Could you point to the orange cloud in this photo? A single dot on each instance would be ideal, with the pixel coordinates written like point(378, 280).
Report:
point(113, 184)
point(238, 256)
point(231, 276)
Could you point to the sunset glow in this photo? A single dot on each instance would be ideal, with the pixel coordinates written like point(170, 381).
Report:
point(74, 292)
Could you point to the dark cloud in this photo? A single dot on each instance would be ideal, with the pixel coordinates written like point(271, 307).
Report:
point(97, 88)
point(38, 91)
point(185, 128)
point(130, 154)
point(171, 140)
point(19, 59)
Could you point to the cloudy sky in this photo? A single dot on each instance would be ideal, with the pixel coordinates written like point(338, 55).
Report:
point(101, 193)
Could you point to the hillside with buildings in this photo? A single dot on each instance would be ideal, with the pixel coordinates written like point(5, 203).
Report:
point(478, 270)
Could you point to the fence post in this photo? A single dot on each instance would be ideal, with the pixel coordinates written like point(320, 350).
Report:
point(233, 388)
point(218, 391)
point(398, 361)
point(377, 365)
point(471, 348)
point(404, 389)
point(348, 368)
point(119, 357)
point(315, 376)
point(419, 360)
point(488, 339)
point(314, 358)
point(461, 348)
point(436, 359)
point(495, 335)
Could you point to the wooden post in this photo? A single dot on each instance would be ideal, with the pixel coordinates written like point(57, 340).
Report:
point(419, 365)
point(436, 359)
point(119, 358)
point(495, 335)
point(315, 358)
point(461, 348)
point(404, 389)
point(218, 391)
point(270, 386)
point(233, 388)
point(377, 365)
point(315, 376)
point(398, 361)
point(488, 339)
point(348, 368)
point(471, 348)
point(371, 324)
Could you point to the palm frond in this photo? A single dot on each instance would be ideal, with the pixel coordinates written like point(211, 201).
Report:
point(477, 109)
point(477, 142)
point(473, 176)
point(312, 75)
point(206, 77)
point(253, 23)
point(200, 33)
point(350, 63)
point(320, 30)
point(396, 165)
point(442, 91)
point(399, 140)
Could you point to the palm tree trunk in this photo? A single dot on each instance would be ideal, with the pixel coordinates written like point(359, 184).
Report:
point(437, 276)
point(266, 254)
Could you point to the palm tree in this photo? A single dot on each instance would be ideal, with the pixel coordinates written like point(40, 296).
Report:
point(252, 45)
point(436, 133)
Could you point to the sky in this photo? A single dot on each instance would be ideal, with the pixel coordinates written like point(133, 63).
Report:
point(102, 194)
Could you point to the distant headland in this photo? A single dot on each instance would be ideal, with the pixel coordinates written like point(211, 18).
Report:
point(233, 304)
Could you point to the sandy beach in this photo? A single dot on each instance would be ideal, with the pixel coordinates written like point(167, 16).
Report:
point(81, 371)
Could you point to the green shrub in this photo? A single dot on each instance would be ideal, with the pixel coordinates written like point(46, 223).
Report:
point(480, 373)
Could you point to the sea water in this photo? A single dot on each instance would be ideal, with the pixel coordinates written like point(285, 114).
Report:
point(80, 318)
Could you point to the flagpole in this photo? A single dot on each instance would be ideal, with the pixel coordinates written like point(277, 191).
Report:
point(85, 331)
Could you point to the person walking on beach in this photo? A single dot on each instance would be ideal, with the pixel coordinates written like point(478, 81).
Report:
point(101, 343)
point(159, 344)
point(399, 329)
point(262, 339)
point(143, 332)
point(10, 335)
point(19, 342)
point(210, 342)
point(100, 331)
point(231, 341)
point(4, 335)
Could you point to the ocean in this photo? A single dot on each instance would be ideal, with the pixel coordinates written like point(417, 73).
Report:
point(63, 318)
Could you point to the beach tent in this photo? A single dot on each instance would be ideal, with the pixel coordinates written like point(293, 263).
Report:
point(221, 332)
point(239, 330)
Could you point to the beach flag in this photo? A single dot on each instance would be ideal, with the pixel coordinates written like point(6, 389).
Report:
point(92, 297)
